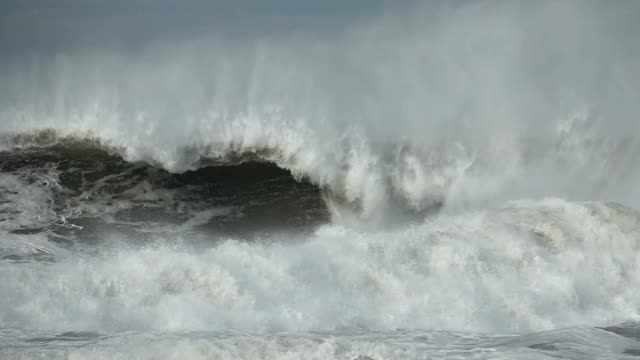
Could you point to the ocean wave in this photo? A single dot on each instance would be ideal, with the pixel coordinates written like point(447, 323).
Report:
point(371, 183)
point(357, 185)
point(407, 112)
point(464, 166)
point(73, 188)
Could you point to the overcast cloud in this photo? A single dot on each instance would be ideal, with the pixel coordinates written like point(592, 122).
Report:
point(44, 25)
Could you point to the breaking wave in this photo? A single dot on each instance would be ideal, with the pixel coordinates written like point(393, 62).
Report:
point(412, 112)
point(426, 180)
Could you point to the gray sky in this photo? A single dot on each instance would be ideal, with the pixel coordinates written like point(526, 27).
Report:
point(43, 25)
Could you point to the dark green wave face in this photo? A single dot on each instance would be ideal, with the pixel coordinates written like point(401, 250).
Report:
point(93, 192)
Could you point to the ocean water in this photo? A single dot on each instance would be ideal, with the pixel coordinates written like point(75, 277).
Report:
point(443, 181)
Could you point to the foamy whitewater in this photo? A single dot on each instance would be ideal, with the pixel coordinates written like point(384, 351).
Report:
point(440, 181)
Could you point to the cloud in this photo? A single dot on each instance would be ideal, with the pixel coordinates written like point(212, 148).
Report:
point(42, 25)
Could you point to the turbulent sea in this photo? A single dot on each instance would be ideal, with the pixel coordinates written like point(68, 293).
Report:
point(449, 182)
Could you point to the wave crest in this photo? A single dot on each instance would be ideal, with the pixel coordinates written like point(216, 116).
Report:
point(357, 185)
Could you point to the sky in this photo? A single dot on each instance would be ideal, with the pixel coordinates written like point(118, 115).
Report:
point(44, 25)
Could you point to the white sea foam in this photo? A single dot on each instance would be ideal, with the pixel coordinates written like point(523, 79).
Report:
point(530, 266)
